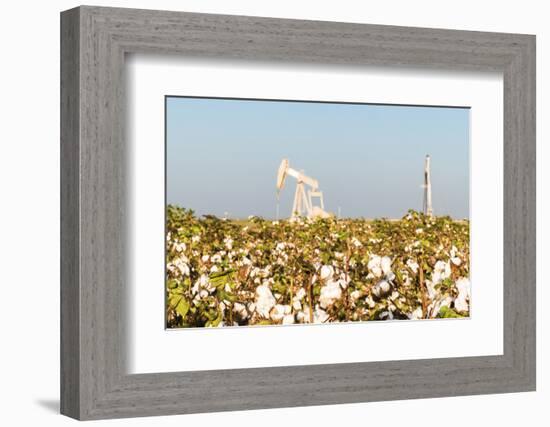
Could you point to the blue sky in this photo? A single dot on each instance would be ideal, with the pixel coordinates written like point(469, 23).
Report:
point(222, 156)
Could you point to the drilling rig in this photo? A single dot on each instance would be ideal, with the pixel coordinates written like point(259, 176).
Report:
point(427, 204)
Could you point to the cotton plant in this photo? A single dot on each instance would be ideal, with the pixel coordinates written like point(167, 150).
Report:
point(260, 272)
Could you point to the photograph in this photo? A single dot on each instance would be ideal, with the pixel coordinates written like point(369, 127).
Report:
point(293, 212)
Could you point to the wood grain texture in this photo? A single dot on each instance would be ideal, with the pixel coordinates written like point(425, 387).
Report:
point(70, 291)
point(95, 235)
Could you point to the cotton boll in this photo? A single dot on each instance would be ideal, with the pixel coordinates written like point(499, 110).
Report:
point(442, 270)
point(300, 294)
point(320, 316)
point(264, 301)
point(329, 294)
point(370, 302)
point(180, 247)
point(413, 265)
point(288, 319)
point(303, 316)
point(416, 314)
point(355, 295)
point(240, 310)
point(278, 312)
point(430, 286)
point(385, 263)
point(386, 315)
point(462, 300)
point(381, 289)
point(374, 265)
point(456, 261)
point(327, 271)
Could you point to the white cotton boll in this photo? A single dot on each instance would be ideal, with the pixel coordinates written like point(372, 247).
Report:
point(214, 269)
point(454, 251)
point(264, 301)
point(296, 304)
point(240, 310)
point(329, 294)
point(370, 302)
point(374, 265)
point(288, 319)
point(300, 294)
point(413, 265)
point(344, 280)
point(381, 289)
point(386, 315)
point(456, 261)
point(385, 263)
point(205, 258)
point(278, 312)
point(461, 304)
point(462, 300)
point(430, 286)
point(180, 247)
point(416, 314)
point(228, 241)
point(442, 270)
point(463, 286)
point(355, 295)
point(320, 316)
point(184, 269)
point(327, 271)
point(394, 295)
point(303, 316)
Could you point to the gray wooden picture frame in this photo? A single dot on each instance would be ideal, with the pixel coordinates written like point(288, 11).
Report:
point(94, 41)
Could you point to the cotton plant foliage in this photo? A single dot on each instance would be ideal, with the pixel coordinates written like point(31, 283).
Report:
point(258, 272)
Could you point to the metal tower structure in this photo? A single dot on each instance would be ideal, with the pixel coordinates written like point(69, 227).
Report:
point(427, 205)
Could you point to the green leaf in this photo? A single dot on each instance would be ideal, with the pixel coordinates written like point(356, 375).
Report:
point(172, 284)
point(448, 313)
point(182, 307)
point(221, 278)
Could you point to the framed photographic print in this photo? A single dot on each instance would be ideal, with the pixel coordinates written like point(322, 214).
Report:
point(301, 212)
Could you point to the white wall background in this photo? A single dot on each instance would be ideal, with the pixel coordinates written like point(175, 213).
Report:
point(29, 211)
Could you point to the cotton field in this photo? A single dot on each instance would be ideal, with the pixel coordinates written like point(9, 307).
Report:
point(260, 272)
